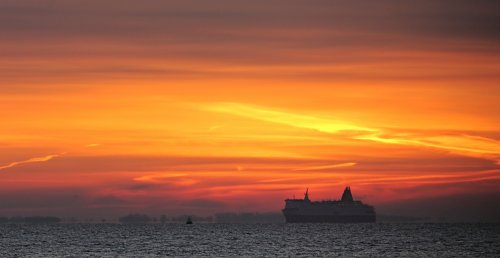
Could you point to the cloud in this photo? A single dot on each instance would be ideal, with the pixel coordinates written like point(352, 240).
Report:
point(167, 39)
point(31, 160)
point(437, 179)
point(466, 145)
point(323, 167)
point(169, 178)
point(128, 19)
point(42, 159)
point(177, 165)
point(321, 124)
point(461, 144)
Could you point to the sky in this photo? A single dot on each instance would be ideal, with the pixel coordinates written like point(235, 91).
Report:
point(197, 107)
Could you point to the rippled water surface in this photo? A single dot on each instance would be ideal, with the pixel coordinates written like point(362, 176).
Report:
point(233, 240)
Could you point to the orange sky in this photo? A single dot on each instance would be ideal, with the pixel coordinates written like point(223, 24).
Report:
point(170, 107)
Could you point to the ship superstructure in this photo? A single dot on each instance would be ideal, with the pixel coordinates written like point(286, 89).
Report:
point(344, 210)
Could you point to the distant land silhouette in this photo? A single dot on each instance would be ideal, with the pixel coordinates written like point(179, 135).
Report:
point(137, 218)
point(385, 216)
point(225, 217)
point(32, 220)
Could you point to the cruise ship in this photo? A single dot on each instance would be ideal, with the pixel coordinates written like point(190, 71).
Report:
point(345, 210)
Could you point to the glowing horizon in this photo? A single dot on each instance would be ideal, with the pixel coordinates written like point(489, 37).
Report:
point(234, 106)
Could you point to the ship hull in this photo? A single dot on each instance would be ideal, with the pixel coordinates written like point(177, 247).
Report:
point(328, 219)
point(346, 210)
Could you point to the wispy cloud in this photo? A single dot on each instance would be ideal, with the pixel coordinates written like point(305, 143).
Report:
point(31, 160)
point(460, 144)
point(341, 165)
point(321, 124)
point(466, 145)
point(177, 179)
point(42, 159)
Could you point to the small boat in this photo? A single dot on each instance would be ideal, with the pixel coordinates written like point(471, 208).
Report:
point(189, 221)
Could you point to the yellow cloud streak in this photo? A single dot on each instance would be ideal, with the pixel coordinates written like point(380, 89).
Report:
point(466, 145)
point(303, 121)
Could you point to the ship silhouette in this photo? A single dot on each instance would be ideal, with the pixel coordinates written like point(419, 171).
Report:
point(345, 210)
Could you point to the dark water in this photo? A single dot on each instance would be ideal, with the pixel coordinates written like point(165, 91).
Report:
point(261, 240)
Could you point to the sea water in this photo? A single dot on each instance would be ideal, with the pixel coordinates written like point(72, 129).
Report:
point(250, 240)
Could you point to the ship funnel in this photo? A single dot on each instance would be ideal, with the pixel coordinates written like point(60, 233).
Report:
point(347, 195)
